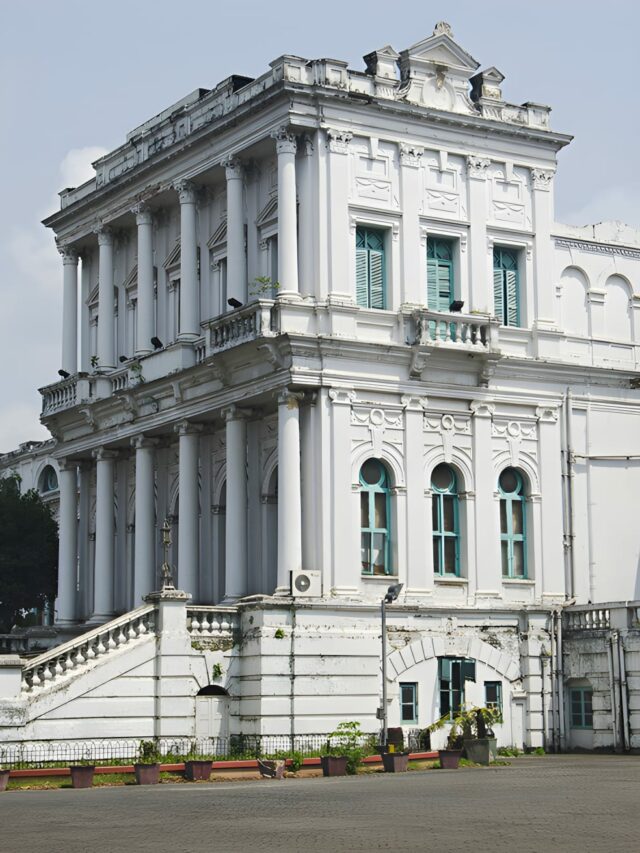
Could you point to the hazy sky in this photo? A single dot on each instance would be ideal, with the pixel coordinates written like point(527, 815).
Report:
point(76, 75)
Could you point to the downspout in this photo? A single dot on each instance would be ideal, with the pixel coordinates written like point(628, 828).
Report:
point(624, 699)
point(554, 743)
point(569, 508)
point(592, 594)
point(292, 678)
point(615, 691)
point(560, 684)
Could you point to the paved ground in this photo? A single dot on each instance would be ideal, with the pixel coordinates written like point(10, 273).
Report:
point(553, 803)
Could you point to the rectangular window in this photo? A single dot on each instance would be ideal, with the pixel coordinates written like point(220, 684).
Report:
point(493, 695)
point(409, 703)
point(440, 292)
point(506, 286)
point(370, 269)
point(581, 708)
point(452, 674)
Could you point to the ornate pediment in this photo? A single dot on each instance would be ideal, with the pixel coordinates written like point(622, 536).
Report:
point(440, 49)
point(219, 236)
point(173, 258)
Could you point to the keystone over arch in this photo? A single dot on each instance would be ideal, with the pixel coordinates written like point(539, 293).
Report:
point(427, 648)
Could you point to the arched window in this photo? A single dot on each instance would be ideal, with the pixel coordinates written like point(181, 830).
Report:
point(48, 480)
point(375, 519)
point(513, 524)
point(446, 528)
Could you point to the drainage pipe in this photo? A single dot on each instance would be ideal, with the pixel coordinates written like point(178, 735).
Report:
point(615, 690)
point(560, 683)
point(569, 507)
point(554, 742)
point(624, 699)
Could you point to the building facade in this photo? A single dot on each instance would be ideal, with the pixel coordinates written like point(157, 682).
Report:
point(330, 329)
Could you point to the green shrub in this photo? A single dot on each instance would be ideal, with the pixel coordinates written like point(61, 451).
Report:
point(348, 740)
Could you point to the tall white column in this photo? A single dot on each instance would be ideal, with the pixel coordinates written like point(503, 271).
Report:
point(69, 309)
point(189, 297)
point(286, 148)
point(144, 318)
point(144, 564)
point(289, 489)
point(189, 513)
point(236, 257)
point(68, 543)
point(236, 510)
point(104, 570)
point(480, 288)
point(106, 315)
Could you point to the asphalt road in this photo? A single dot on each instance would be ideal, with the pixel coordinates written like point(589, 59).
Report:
point(552, 803)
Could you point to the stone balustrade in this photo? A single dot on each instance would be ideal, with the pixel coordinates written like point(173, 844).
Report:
point(452, 329)
point(69, 658)
point(244, 324)
point(587, 618)
point(212, 621)
point(60, 395)
point(200, 348)
point(119, 381)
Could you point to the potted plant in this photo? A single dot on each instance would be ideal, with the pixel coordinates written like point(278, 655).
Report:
point(147, 769)
point(4, 778)
point(344, 751)
point(477, 735)
point(82, 774)
point(449, 756)
point(197, 769)
point(394, 758)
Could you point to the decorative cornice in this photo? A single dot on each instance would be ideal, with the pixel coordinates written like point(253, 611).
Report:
point(338, 140)
point(477, 166)
point(597, 248)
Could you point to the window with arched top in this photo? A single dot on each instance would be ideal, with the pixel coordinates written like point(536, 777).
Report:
point(375, 519)
point(513, 524)
point(48, 480)
point(446, 521)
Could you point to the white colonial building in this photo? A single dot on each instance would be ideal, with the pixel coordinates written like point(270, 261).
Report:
point(330, 329)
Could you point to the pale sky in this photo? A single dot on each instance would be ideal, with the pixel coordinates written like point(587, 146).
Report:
point(77, 75)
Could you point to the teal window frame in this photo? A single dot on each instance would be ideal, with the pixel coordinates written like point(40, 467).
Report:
point(440, 268)
point(375, 505)
point(371, 273)
point(512, 503)
point(452, 674)
point(443, 539)
point(581, 699)
point(493, 695)
point(506, 286)
point(408, 702)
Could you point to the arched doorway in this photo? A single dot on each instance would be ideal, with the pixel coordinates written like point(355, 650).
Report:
point(212, 712)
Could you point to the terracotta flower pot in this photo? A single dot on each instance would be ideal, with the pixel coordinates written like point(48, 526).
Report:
point(4, 779)
point(82, 775)
point(147, 774)
point(197, 771)
point(334, 765)
point(450, 758)
point(395, 762)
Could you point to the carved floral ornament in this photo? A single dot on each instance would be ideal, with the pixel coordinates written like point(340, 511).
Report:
point(69, 255)
point(411, 155)
point(338, 140)
point(285, 141)
point(541, 179)
point(186, 191)
point(477, 166)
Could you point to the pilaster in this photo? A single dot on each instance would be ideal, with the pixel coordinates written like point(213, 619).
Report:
point(487, 555)
point(480, 292)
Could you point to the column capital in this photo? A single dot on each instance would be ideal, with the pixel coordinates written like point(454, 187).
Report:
point(482, 408)
point(187, 428)
point(338, 140)
point(69, 254)
point(411, 155)
point(143, 213)
point(414, 403)
point(104, 234)
point(101, 454)
point(547, 413)
point(236, 413)
point(288, 398)
point(285, 141)
point(542, 178)
point(342, 396)
point(477, 166)
point(67, 464)
point(144, 441)
point(186, 190)
point(306, 143)
point(233, 167)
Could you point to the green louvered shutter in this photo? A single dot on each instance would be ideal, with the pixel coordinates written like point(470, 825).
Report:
point(362, 289)
point(498, 300)
point(432, 284)
point(376, 278)
point(444, 286)
point(513, 306)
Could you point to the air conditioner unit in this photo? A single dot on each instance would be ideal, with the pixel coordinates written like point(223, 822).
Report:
point(306, 584)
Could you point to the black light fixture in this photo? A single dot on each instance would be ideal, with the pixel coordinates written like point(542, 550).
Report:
point(234, 303)
point(157, 343)
point(123, 358)
point(456, 305)
point(64, 373)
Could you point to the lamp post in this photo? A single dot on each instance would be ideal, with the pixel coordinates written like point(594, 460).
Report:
point(392, 593)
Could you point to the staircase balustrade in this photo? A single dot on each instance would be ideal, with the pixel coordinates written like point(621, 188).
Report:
point(212, 621)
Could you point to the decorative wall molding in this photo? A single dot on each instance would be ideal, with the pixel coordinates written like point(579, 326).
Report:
point(596, 248)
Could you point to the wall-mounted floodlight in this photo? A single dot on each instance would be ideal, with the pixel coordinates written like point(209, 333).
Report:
point(234, 303)
point(156, 343)
point(456, 305)
point(64, 373)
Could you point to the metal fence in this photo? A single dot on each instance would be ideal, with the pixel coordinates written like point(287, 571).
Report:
point(171, 750)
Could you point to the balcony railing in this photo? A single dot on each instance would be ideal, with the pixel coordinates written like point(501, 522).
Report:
point(454, 330)
point(253, 321)
point(61, 395)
